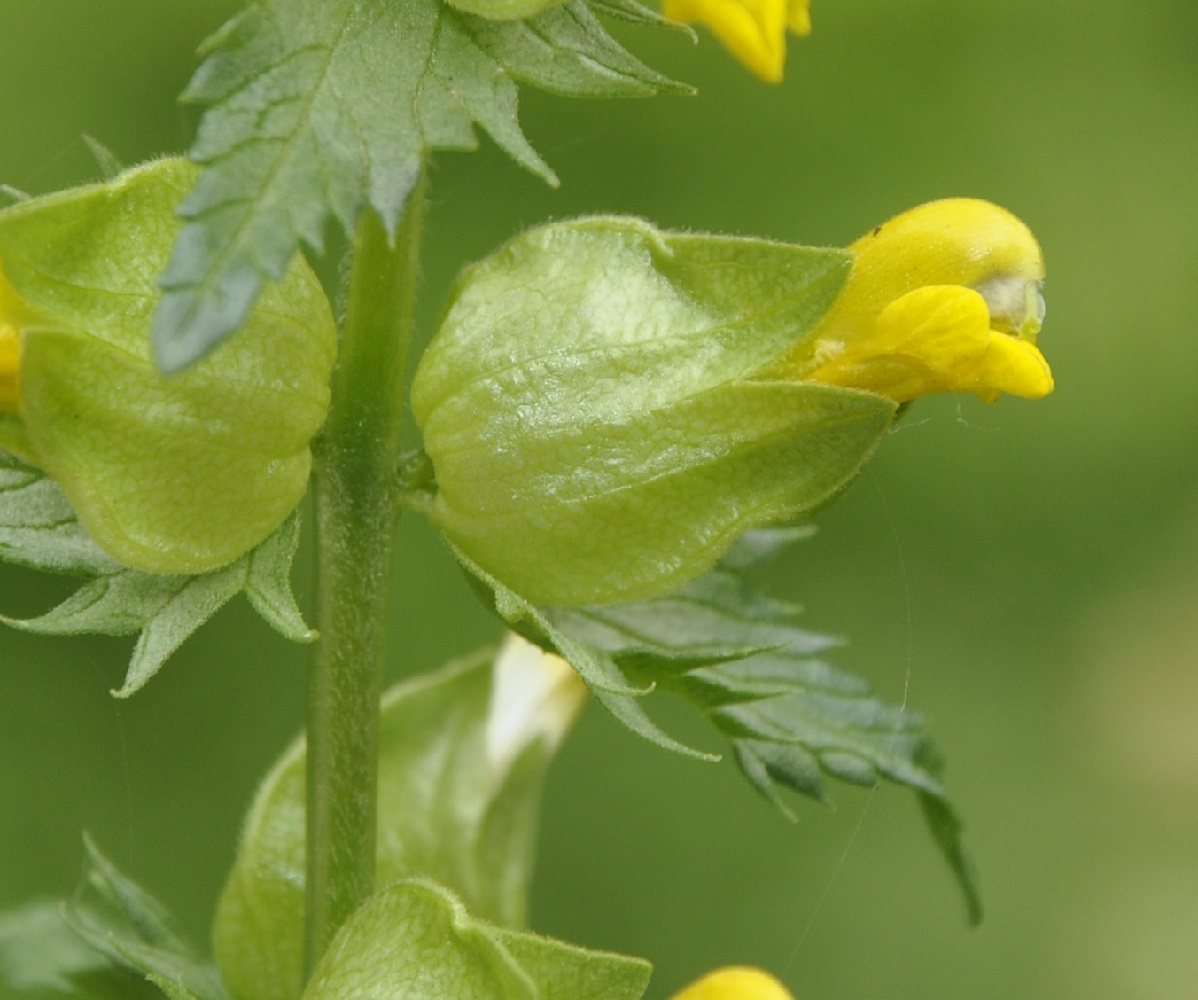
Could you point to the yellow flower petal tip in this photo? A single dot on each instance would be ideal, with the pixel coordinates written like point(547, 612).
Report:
point(754, 31)
point(798, 17)
point(943, 298)
point(736, 982)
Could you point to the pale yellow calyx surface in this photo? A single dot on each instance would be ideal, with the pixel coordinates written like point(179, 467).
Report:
point(754, 31)
point(943, 298)
point(535, 695)
point(736, 982)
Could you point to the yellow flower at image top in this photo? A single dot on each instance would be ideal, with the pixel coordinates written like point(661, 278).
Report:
point(752, 30)
point(943, 298)
point(735, 982)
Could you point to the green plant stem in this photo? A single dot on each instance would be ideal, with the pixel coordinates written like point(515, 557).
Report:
point(355, 487)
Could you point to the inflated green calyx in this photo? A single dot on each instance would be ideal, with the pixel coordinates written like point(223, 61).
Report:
point(600, 414)
point(169, 474)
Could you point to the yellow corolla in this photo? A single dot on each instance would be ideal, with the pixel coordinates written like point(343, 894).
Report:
point(752, 30)
point(943, 298)
point(736, 982)
point(10, 348)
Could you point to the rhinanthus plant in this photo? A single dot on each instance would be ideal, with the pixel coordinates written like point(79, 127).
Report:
point(670, 391)
point(618, 424)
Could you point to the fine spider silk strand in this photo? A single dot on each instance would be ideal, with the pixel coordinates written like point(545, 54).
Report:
point(855, 833)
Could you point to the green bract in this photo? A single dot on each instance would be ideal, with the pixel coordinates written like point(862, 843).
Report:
point(600, 412)
point(462, 754)
point(169, 474)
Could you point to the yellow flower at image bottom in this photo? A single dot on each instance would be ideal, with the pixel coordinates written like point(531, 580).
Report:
point(735, 982)
point(752, 30)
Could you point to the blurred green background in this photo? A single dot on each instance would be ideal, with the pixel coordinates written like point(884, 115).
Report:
point(1026, 574)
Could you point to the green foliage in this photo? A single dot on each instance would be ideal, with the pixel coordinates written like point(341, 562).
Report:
point(450, 808)
point(39, 529)
point(639, 13)
point(415, 940)
point(596, 413)
point(604, 678)
point(169, 475)
point(463, 755)
point(320, 109)
point(791, 718)
point(130, 928)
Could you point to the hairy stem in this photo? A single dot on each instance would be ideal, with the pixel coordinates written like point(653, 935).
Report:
point(355, 486)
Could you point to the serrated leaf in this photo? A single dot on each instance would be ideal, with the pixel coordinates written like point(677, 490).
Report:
point(123, 922)
point(415, 940)
point(268, 583)
point(566, 51)
point(462, 756)
point(638, 13)
point(715, 618)
point(594, 664)
point(947, 828)
point(755, 547)
point(321, 109)
point(39, 529)
point(793, 720)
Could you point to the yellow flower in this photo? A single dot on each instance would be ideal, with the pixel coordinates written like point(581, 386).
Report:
point(10, 350)
point(10, 347)
point(736, 982)
point(943, 298)
point(752, 30)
